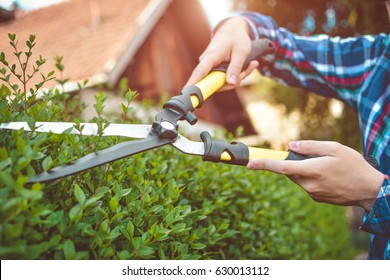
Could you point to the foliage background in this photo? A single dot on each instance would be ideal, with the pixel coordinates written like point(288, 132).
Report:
point(156, 205)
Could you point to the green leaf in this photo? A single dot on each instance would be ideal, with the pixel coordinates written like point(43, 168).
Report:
point(53, 219)
point(130, 228)
point(145, 251)
point(79, 194)
point(136, 242)
point(162, 234)
point(107, 252)
point(3, 153)
point(31, 38)
point(32, 154)
point(46, 163)
point(113, 203)
point(31, 123)
point(211, 229)
point(92, 200)
point(223, 226)
point(11, 36)
point(75, 213)
point(124, 192)
point(170, 218)
point(161, 254)
point(198, 246)
point(20, 143)
point(124, 255)
point(5, 163)
point(124, 109)
point(69, 250)
point(156, 209)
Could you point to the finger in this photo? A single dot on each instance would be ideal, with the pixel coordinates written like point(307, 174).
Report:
point(286, 167)
point(200, 71)
point(238, 56)
point(226, 87)
point(215, 53)
point(319, 148)
point(252, 66)
point(207, 61)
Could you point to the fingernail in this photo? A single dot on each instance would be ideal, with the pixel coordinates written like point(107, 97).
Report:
point(232, 79)
point(294, 145)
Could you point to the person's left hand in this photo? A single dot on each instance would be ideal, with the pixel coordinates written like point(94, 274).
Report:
point(339, 175)
point(230, 43)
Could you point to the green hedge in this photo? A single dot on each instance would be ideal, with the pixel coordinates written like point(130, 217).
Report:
point(160, 204)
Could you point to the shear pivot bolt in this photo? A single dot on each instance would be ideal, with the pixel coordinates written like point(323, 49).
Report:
point(165, 129)
point(167, 125)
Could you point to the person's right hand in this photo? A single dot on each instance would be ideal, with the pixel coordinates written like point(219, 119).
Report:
point(230, 43)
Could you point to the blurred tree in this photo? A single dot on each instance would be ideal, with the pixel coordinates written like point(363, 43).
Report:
point(336, 18)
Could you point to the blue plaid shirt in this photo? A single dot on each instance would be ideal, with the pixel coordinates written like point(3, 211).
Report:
point(354, 70)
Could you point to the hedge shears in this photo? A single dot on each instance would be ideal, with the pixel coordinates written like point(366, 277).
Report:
point(164, 129)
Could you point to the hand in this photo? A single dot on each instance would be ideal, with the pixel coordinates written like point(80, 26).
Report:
point(340, 175)
point(231, 42)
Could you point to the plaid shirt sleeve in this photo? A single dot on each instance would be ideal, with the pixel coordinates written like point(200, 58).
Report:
point(318, 63)
point(354, 70)
point(377, 221)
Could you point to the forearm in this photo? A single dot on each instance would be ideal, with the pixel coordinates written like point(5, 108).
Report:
point(332, 67)
point(292, 64)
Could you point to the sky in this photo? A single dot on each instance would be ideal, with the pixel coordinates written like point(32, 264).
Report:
point(216, 10)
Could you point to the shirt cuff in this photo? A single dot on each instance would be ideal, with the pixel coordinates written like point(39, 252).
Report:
point(261, 26)
point(377, 221)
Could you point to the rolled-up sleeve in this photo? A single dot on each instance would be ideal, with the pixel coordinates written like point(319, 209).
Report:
point(377, 221)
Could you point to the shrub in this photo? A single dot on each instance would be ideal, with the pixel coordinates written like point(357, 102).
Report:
point(160, 204)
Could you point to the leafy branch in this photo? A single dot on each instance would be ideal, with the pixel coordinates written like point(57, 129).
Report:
point(24, 77)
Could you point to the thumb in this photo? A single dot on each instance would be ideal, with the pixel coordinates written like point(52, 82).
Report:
point(318, 148)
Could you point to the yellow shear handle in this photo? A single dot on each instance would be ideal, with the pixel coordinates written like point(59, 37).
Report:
point(217, 77)
point(259, 153)
point(209, 85)
point(240, 154)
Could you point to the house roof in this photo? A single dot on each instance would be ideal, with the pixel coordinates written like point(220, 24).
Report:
point(77, 30)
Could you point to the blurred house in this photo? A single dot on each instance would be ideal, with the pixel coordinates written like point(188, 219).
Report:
point(155, 44)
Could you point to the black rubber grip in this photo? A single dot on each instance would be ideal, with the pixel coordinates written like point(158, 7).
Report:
point(372, 161)
point(238, 152)
point(296, 156)
point(182, 103)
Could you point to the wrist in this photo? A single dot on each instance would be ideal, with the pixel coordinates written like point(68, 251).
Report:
point(232, 24)
point(375, 184)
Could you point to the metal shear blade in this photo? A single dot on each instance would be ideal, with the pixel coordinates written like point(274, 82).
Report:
point(88, 129)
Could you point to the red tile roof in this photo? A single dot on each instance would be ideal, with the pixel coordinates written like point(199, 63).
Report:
point(79, 31)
